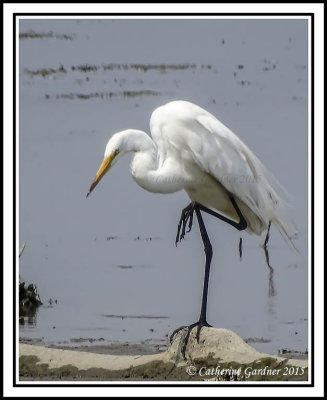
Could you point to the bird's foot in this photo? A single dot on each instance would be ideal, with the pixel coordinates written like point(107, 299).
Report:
point(199, 325)
point(186, 219)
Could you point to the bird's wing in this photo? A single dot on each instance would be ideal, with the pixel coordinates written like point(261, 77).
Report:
point(200, 137)
point(234, 165)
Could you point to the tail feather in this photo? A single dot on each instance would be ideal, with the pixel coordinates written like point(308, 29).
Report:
point(277, 202)
point(287, 229)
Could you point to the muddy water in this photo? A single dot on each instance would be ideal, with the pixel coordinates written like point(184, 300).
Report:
point(106, 267)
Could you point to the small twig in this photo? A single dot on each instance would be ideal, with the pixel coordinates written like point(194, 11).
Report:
point(267, 237)
point(240, 248)
point(22, 249)
point(272, 291)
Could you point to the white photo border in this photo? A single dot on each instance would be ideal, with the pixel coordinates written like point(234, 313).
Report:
point(314, 13)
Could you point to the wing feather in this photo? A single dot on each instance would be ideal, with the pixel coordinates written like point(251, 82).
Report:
point(199, 137)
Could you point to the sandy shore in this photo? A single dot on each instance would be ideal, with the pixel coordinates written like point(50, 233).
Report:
point(219, 355)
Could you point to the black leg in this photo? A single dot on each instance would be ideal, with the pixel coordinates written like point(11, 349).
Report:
point(241, 225)
point(208, 257)
point(187, 218)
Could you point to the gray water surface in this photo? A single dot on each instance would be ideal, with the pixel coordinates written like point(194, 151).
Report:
point(110, 261)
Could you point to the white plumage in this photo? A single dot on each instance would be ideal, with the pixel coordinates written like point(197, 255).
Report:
point(192, 150)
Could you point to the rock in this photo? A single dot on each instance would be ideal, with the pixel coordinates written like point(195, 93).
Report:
point(29, 299)
point(220, 355)
point(219, 344)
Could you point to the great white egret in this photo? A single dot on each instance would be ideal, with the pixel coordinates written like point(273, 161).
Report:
point(192, 150)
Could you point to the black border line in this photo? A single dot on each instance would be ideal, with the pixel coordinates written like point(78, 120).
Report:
point(15, 202)
point(162, 14)
point(146, 15)
point(312, 198)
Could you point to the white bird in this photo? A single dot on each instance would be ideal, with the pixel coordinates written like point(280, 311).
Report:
point(192, 150)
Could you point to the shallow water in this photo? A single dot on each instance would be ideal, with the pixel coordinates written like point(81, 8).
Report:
point(111, 258)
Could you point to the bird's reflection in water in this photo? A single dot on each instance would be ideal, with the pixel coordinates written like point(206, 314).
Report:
point(271, 284)
point(271, 303)
point(271, 290)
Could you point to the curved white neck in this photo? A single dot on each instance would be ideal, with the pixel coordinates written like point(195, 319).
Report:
point(145, 167)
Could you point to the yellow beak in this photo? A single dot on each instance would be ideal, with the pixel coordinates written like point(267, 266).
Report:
point(104, 167)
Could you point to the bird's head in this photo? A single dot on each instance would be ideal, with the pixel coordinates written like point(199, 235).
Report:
point(114, 148)
point(130, 140)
